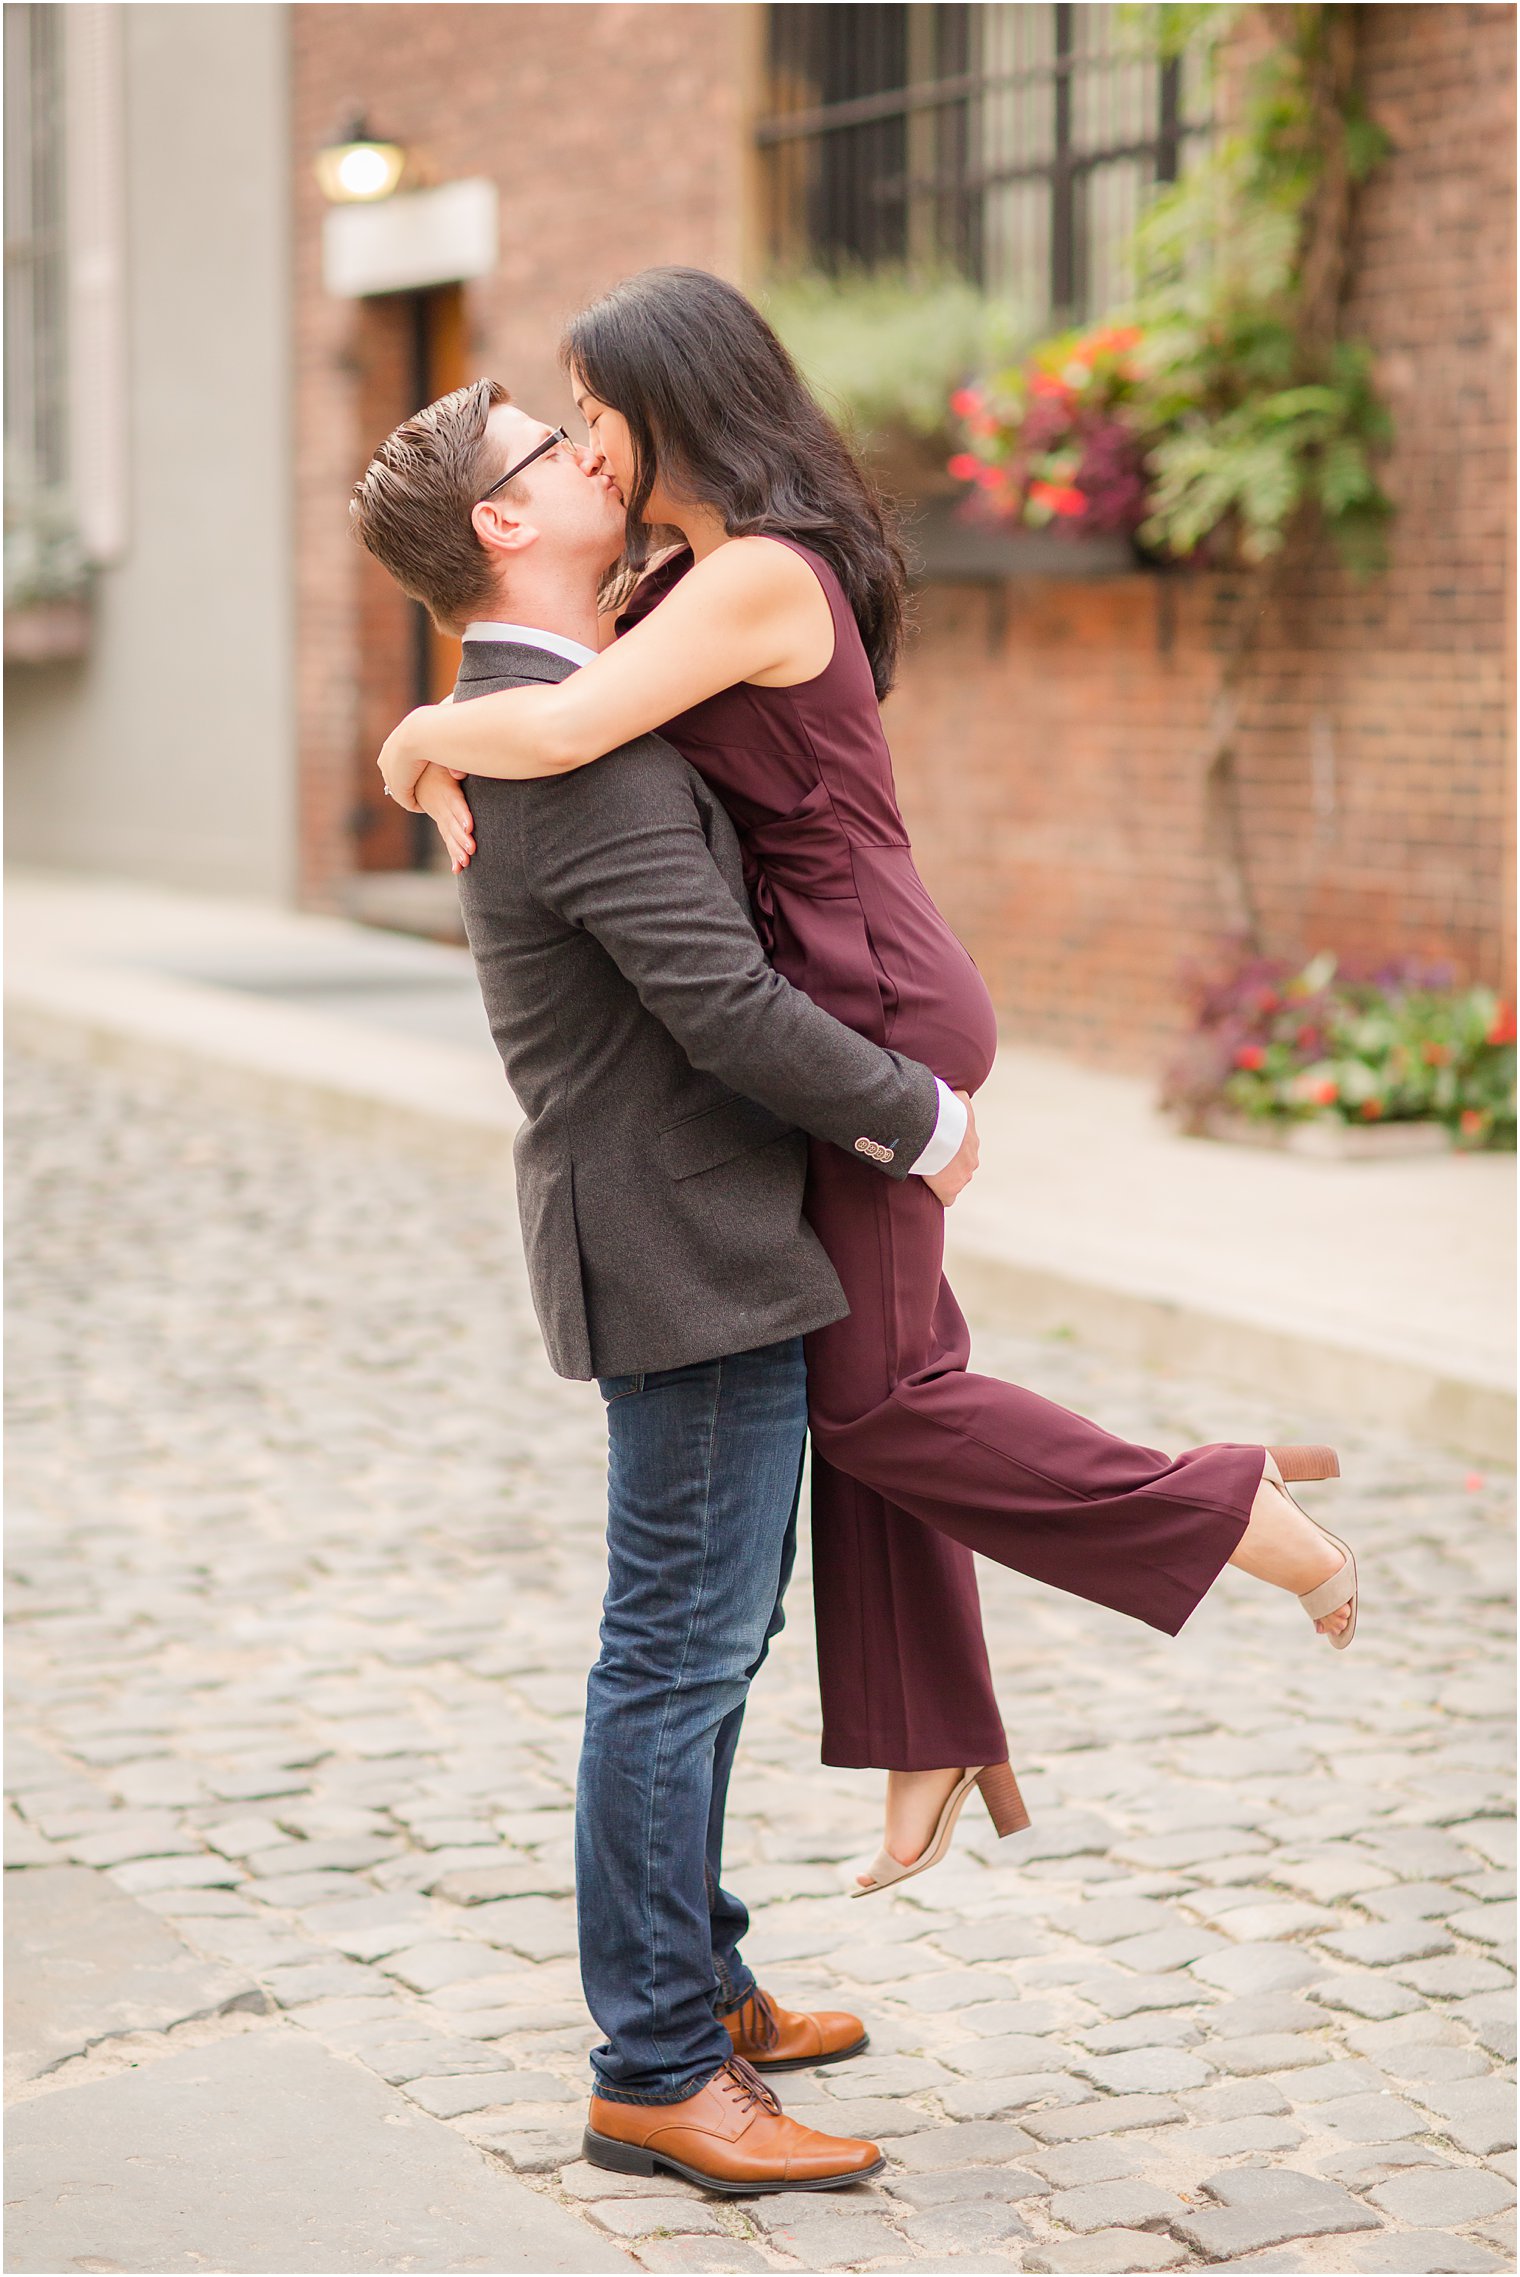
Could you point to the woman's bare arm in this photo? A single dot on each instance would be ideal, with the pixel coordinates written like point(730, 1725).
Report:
point(751, 611)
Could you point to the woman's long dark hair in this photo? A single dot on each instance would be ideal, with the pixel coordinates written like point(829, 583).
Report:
point(717, 408)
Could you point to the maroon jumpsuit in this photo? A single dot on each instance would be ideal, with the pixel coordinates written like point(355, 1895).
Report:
point(917, 1462)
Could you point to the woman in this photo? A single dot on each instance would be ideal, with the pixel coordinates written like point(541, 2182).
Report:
point(761, 648)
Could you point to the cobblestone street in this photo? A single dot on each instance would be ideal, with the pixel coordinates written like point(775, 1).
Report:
point(306, 1563)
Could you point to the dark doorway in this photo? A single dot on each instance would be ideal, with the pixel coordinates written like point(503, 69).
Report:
point(412, 349)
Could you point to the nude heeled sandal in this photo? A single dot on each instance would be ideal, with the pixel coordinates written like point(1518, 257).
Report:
point(1005, 1806)
point(1282, 1464)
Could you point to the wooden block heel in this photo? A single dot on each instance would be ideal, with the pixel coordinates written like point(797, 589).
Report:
point(1000, 1792)
point(1299, 1463)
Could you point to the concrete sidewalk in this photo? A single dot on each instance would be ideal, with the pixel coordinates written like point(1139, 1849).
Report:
point(1383, 1290)
point(165, 2116)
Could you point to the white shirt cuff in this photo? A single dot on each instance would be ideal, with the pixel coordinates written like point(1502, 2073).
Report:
point(945, 1144)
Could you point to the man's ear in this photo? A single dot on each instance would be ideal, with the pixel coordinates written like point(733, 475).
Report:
point(499, 530)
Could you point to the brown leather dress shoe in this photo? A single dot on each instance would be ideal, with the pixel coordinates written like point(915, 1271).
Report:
point(773, 2038)
point(732, 2135)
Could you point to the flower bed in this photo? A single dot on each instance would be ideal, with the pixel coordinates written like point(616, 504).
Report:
point(1280, 1052)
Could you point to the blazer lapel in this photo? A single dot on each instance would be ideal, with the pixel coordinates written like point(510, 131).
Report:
point(498, 660)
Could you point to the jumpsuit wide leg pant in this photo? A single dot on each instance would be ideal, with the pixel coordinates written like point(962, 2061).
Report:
point(917, 1463)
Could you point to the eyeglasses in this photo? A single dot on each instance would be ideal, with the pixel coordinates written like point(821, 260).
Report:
point(559, 435)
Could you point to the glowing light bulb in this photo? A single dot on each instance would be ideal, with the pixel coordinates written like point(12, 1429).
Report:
point(364, 171)
point(360, 169)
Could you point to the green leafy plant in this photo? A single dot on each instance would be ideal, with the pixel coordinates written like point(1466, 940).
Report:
point(1240, 402)
point(1249, 467)
point(883, 350)
point(1282, 1043)
point(1256, 408)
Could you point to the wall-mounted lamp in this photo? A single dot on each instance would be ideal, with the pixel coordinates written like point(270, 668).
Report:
point(360, 169)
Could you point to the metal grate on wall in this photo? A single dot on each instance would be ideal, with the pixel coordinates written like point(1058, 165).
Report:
point(1013, 144)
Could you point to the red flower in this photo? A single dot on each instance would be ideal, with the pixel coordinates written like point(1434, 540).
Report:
point(1250, 1055)
point(1503, 1029)
point(966, 402)
point(1370, 1110)
point(1472, 1122)
point(964, 467)
point(1060, 497)
point(1308, 1039)
point(1266, 1000)
point(1437, 1055)
point(1046, 383)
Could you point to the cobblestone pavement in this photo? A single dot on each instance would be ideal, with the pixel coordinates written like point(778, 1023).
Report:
point(307, 1559)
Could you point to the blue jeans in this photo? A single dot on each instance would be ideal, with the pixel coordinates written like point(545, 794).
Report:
point(704, 1465)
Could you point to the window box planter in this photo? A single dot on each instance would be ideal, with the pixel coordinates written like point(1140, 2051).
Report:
point(945, 548)
point(948, 546)
point(1328, 1139)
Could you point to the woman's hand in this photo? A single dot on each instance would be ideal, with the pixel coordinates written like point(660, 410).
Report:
point(438, 794)
point(958, 1174)
point(403, 756)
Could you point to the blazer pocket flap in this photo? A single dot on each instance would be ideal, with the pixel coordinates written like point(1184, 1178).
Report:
point(717, 1135)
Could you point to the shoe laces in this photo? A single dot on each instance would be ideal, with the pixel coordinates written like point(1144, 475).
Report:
point(757, 2019)
point(744, 2081)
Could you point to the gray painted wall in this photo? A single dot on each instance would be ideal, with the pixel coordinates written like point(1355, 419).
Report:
point(168, 753)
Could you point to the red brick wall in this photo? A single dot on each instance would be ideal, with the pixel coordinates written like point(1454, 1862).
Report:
point(1050, 735)
point(1049, 738)
point(617, 136)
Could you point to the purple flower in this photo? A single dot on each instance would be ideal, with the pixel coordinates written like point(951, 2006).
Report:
point(1111, 476)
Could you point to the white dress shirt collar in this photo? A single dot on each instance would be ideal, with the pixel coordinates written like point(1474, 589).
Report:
point(528, 636)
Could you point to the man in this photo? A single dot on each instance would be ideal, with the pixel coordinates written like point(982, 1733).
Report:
point(666, 1074)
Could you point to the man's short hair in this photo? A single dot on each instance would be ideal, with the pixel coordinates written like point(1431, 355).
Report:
point(411, 506)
